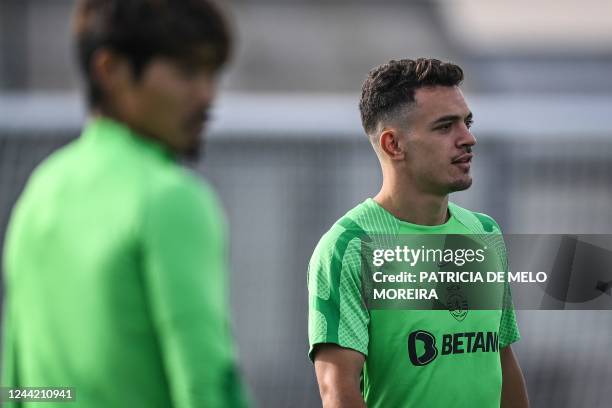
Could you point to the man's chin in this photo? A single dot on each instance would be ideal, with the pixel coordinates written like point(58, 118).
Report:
point(195, 151)
point(460, 185)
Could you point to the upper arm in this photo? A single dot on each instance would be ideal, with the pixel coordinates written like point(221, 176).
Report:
point(514, 391)
point(332, 361)
point(338, 372)
point(337, 313)
point(184, 255)
point(185, 278)
point(508, 328)
point(506, 355)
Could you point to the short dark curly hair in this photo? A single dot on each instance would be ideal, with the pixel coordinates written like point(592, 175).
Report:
point(390, 87)
point(141, 30)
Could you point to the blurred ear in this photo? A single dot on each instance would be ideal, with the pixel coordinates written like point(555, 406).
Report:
point(111, 71)
point(390, 144)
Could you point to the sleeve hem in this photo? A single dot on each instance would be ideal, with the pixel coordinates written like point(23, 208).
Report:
point(509, 343)
point(346, 346)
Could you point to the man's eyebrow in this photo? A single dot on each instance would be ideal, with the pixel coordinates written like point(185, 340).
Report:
point(451, 118)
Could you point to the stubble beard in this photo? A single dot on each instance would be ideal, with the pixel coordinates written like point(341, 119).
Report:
point(460, 185)
point(195, 152)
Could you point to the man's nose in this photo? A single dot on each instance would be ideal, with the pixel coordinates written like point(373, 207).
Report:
point(466, 138)
point(205, 89)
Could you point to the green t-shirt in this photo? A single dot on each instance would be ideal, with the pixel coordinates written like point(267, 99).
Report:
point(116, 279)
point(414, 358)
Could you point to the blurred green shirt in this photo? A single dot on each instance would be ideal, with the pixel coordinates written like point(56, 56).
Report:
point(116, 279)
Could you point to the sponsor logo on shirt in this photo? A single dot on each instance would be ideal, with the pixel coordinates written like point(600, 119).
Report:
point(423, 348)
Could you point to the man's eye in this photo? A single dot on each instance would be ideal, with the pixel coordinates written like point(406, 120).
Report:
point(469, 123)
point(445, 126)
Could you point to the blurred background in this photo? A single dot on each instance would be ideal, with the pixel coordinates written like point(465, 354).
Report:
point(287, 154)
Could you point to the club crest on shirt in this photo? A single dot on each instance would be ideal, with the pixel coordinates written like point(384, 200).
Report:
point(456, 302)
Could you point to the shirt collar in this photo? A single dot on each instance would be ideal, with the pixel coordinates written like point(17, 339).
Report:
point(102, 128)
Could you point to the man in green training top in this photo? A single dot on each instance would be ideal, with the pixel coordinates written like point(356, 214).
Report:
point(419, 125)
point(115, 256)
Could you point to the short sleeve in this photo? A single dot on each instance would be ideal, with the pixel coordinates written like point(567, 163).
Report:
point(508, 328)
point(337, 313)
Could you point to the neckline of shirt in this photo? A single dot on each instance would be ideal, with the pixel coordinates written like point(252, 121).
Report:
point(105, 128)
point(429, 228)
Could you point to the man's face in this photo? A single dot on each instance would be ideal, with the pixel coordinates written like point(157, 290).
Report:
point(438, 141)
point(169, 102)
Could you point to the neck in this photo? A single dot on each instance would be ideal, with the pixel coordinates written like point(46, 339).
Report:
point(406, 202)
point(106, 111)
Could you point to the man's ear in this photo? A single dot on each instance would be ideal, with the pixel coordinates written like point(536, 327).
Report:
point(111, 71)
point(390, 145)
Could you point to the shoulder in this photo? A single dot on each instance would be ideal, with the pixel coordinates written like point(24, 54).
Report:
point(337, 254)
point(56, 164)
point(474, 219)
point(335, 242)
point(488, 223)
point(179, 194)
point(180, 187)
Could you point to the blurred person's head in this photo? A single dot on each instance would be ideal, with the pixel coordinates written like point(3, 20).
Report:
point(419, 123)
point(153, 64)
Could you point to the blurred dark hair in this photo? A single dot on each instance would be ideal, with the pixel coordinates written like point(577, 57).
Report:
point(143, 29)
point(390, 87)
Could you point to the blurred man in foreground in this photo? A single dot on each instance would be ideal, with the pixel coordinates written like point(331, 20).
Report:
point(115, 256)
point(419, 125)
